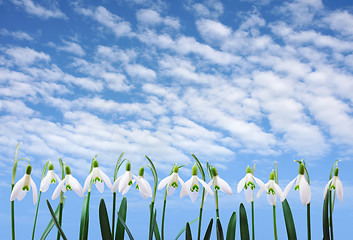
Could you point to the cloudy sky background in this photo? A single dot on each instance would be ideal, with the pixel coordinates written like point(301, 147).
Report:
point(234, 82)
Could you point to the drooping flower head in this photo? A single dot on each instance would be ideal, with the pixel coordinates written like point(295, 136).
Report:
point(218, 183)
point(172, 182)
point(272, 190)
point(124, 182)
point(49, 179)
point(335, 184)
point(192, 186)
point(67, 184)
point(248, 184)
point(23, 186)
point(301, 185)
point(98, 177)
point(142, 185)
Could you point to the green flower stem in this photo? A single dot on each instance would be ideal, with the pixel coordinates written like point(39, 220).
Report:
point(274, 223)
point(36, 214)
point(12, 217)
point(216, 200)
point(252, 220)
point(163, 214)
point(61, 204)
point(308, 220)
point(113, 214)
point(331, 213)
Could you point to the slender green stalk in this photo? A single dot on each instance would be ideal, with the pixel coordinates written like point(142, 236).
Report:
point(152, 212)
point(113, 214)
point(331, 213)
point(117, 167)
point(216, 201)
point(274, 223)
point(61, 204)
point(308, 220)
point(163, 214)
point(252, 220)
point(36, 214)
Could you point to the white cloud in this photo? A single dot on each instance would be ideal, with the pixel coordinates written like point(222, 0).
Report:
point(152, 17)
point(16, 34)
point(70, 47)
point(212, 30)
point(339, 21)
point(209, 8)
point(141, 72)
point(26, 56)
point(113, 22)
point(116, 81)
point(38, 10)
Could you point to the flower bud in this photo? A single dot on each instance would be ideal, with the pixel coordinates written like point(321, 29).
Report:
point(28, 169)
point(176, 169)
point(248, 169)
point(214, 172)
point(141, 172)
point(301, 169)
point(128, 166)
point(51, 166)
point(194, 170)
point(336, 172)
point(67, 170)
point(95, 163)
point(272, 175)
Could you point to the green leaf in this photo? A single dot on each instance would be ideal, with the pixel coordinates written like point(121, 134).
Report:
point(50, 224)
point(288, 218)
point(154, 226)
point(183, 229)
point(231, 227)
point(188, 235)
point(104, 221)
point(118, 164)
point(84, 218)
point(219, 230)
point(56, 222)
point(244, 228)
point(120, 230)
point(208, 231)
point(124, 225)
point(325, 220)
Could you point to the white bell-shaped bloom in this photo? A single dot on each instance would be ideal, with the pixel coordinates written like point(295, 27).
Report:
point(248, 184)
point(98, 177)
point(50, 178)
point(336, 185)
point(142, 185)
point(192, 186)
point(124, 182)
point(68, 183)
point(302, 185)
point(23, 186)
point(272, 190)
point(172, 182)
point(219, 184)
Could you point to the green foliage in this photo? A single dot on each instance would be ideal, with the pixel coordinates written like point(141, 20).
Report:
point(325, 219)
point(231, 227)
point(56, 222)
point(288, 218)
point(209, 230)
point(188, 235)
point(219, 230)
point(104, 221)
point(50, 224)
point(120, 229)
point(244, 228)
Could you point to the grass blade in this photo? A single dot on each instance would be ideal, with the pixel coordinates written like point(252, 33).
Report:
point(120, 230)
point(124, 225)
point(231, 227)
point(183, 229)
point(56, 222)
point(104, 221)
point(244, 228)
point(50, 224)
point(188, 235)
point(287, 213)
point(84, 218)
point(325, 221)
point(219, 230)
point(208, 231)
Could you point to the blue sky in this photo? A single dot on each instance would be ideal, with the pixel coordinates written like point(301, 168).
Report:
point(234, 82)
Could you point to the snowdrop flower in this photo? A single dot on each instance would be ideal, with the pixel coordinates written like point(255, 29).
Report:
point(50, 178)
point(272, 190)
point(98, 177)
point(302, 185)
point(172, 182)
point(218, 183)
point(23, 186)
point(124, 182)
point(335, 184)
point(142, 185)
point(248, 184)
point(68, 183)
point(192, 186)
